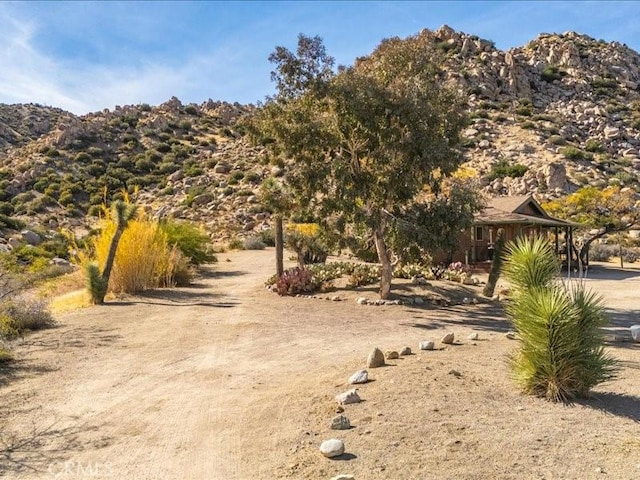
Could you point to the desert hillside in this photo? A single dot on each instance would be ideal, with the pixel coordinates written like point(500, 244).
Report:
point(558, 113)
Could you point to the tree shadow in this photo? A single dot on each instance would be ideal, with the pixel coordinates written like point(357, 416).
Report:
point(618, 404)
point(19, 369)
point(39, 450)
point(487, 317)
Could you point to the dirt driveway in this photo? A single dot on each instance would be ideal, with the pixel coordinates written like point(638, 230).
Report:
point(225, 380)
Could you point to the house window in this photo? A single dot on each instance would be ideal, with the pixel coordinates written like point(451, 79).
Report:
point(479, 234)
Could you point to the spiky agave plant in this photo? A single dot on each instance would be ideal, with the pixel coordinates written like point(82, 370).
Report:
point(561, 354)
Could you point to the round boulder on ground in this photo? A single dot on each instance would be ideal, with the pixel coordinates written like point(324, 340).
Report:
point(332, 448)
point(392, 355)
point(405, 351)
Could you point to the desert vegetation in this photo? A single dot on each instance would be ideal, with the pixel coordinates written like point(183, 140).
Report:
point(561, 355)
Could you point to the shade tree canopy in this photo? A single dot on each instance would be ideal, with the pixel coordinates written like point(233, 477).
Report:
point(600, 211)
point(361, 145)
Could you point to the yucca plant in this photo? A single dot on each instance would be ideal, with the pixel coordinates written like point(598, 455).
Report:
point(561, 354)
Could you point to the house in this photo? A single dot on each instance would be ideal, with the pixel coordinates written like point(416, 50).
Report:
point(517, 216)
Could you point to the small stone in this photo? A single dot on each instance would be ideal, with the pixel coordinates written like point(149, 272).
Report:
point(375, 359)
point(332, 448)
point(635, 332)
point(339, 409)
point(455, 373)
point(350, 396)
point(340, 422)
point(466, 300)
point(361, 301)
point(474, 336)
point(335, 298)
point(405, 351)
point(392, 355)
point(510, 335)
point(418, 301)
point(32, 238)
point(361, 376)
point(448, 338)
point(427, 345)
point(343, 477)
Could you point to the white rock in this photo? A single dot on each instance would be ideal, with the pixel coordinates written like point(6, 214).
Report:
point(427, 345)
point(361, 301)
point(332, 448)
point(635, 333)
point(361, 376)
point(350, 396)
point(474, 336)
point(448, 338)
point(510, 335)
point(418, 301)
point(343, 477)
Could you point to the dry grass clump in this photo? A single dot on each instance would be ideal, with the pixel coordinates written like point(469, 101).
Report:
point(144, 258)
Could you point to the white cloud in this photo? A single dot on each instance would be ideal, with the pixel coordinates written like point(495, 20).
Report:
point(28, 75)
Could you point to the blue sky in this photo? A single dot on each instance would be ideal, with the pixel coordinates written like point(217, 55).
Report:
point(86, 56)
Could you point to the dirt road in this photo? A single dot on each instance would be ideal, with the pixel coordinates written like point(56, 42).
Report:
point(225, 380)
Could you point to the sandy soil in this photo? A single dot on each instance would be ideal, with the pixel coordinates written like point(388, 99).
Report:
point(226, 380)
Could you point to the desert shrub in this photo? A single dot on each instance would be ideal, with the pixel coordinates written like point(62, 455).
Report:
point(295, 281)
point(411, 270)
point(253, 243)
point(572, 153)
point(5, 354)
point(268, 237)
point(253, 177)
point(236, 244)
point(603, 252)
point(192, 241)
point(557, 140)
point(363, 274)
point(502, 169)
point(144, 258)
point(593, 145)
point(561, 354)
point(18, 316)
point(12, 223)
point(551, 73)
point(306, 240)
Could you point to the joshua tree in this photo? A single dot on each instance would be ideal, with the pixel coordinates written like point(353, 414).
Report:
point(122, 213)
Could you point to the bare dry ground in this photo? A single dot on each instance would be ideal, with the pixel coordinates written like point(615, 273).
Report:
point(226, 380)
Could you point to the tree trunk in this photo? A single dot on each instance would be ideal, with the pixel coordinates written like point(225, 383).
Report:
point(279, 246)
point(387, 268)
point(111, 256)
point(496, 265)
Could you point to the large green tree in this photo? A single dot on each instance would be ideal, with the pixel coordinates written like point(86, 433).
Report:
point(600, 211)
point(362, 144)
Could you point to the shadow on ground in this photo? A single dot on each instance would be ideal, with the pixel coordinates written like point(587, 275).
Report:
point(40, 450)
point(19, 369)
point(620, 405)
point(487, 317)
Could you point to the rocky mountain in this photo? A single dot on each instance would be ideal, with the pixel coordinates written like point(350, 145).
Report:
point(561, 112)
